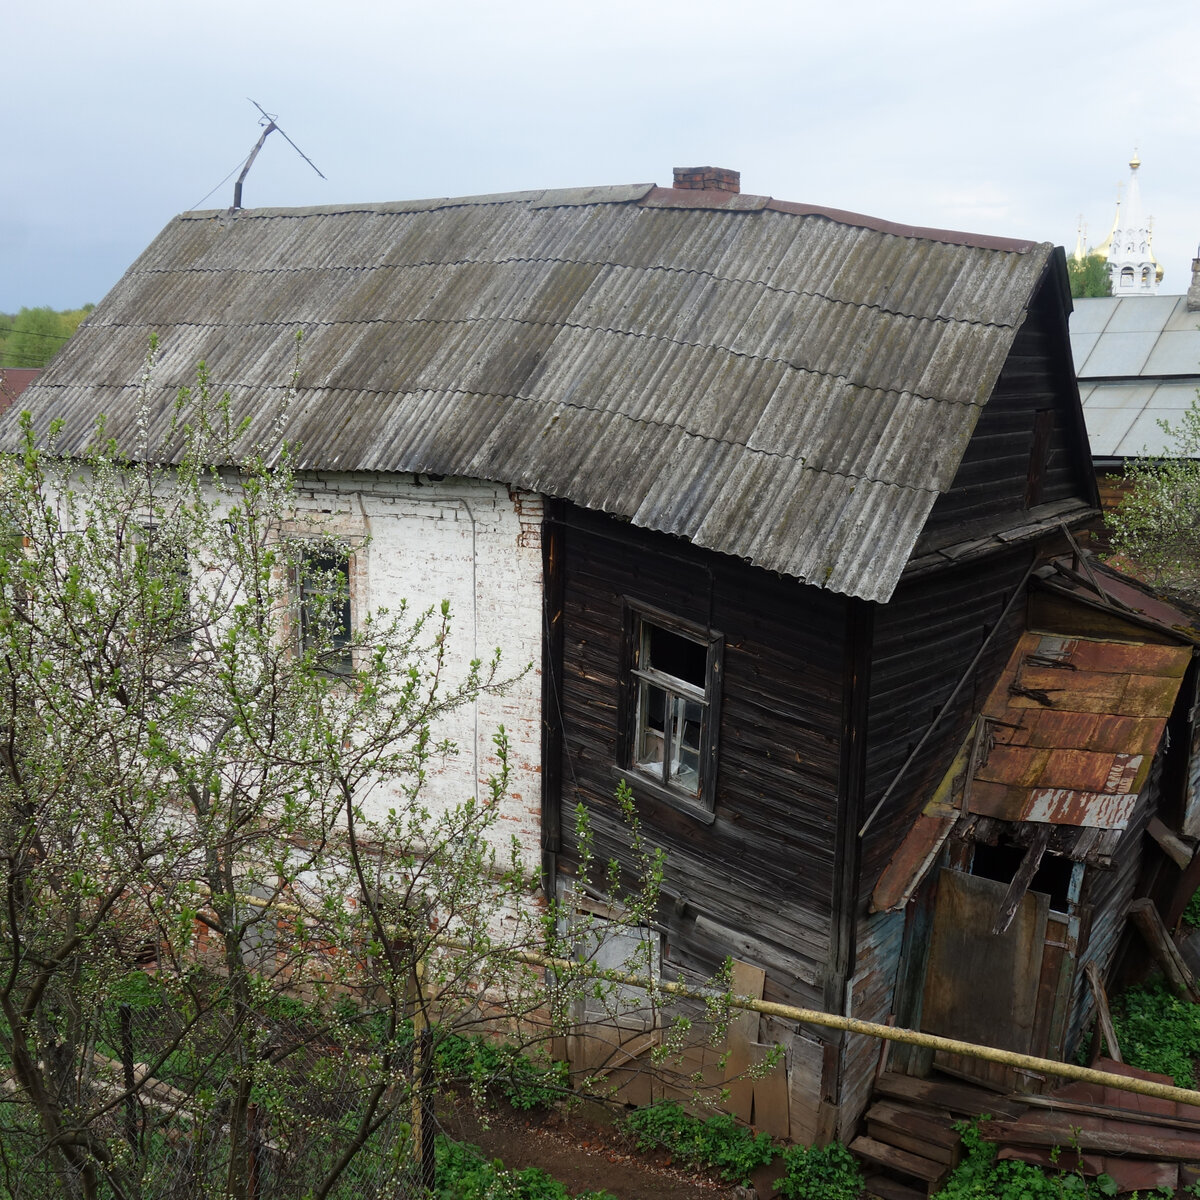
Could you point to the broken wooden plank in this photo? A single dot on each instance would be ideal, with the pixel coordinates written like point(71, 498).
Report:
point(1111, 1112)
point(770, 1091)
point(901, 1127)
point(892, 1189)
point(895, 1159)
point(962, 1099)
point(1030, 861)
point(1104, 1024)
point(740, 1035)
point(1151, 1144)
point(1149, 924)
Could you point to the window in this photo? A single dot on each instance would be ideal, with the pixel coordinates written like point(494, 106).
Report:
point(167, 584)
point(672, 699)
point(323, 595)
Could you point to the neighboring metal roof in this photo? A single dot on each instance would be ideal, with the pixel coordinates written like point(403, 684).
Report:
point(792, 386)
point(1138, 362)
point(13, 381)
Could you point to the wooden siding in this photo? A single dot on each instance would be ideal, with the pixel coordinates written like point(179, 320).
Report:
point(880, 941)
point(1104, 904)
point(992, 490)
point(925, 640)
point(758, 883)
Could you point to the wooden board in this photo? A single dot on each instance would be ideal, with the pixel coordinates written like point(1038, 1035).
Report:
point(770, 1094)
point(979, 986)
point(740, 1037)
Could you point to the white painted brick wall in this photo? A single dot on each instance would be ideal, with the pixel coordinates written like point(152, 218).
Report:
point(477, 545)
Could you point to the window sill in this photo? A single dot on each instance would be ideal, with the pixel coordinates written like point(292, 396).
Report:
point(641, 785)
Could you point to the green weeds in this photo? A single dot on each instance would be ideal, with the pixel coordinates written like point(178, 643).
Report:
point(1159, 1032)
point(820, 1173)
point(498, 1068)
point(980, 1176)
point(718, 1143)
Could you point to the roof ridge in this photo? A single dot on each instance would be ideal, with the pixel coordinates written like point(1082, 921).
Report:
point(643, 194)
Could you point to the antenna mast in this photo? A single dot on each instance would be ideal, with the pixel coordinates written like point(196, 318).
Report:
point(269, 128)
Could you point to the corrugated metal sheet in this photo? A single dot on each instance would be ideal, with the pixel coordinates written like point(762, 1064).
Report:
point(788, 386)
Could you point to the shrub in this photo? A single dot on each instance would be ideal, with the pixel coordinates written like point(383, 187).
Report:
point(717, 1143)
point(820, 1173)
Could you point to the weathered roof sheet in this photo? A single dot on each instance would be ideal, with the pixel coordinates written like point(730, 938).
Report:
point(789, 385)
point(1138, 362)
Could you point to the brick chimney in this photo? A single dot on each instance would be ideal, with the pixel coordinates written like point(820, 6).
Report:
point(719, 178)
point(1193, 293)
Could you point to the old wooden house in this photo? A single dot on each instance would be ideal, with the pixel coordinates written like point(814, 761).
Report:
point(768, 488)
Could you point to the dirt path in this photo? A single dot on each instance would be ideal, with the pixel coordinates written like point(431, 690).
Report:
point(583, 1156)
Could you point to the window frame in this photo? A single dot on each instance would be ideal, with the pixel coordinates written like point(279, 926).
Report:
point(341, 558)
point(637, 616)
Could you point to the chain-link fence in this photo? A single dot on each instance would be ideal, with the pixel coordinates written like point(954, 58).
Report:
point(163, 1104)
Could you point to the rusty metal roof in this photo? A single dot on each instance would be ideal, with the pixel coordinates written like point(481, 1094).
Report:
point(13, 381)
point(790, 385)
point(1075, 724)
point(1067, 738)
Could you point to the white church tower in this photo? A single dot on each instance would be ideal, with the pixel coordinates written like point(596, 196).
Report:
point(1131, 263)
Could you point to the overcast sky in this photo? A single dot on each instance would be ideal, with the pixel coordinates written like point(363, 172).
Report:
point(1005, 118)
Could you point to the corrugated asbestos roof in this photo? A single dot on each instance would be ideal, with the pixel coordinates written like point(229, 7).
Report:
point(791, 386)
point(1138, 362)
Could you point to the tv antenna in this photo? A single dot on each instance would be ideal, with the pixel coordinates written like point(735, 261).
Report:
point(269, 126)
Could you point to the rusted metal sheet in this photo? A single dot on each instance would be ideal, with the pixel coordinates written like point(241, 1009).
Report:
point(1076, 722)
point(911, 862)
point(788, 385)
point(1054, 753)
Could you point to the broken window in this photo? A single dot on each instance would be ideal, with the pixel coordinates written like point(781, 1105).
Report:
point(673, 684)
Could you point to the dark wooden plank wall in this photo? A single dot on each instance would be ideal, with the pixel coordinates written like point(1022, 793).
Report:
point(925, 640)
point(990, 490)
point(758, 883)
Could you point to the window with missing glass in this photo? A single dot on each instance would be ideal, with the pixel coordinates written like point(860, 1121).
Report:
point(324, 609)
point(672, 707)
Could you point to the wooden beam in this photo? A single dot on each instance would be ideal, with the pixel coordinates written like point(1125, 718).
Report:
point(1173, 846)
point(1022, 879)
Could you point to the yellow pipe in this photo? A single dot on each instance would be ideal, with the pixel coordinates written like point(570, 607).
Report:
point(810, 1016)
